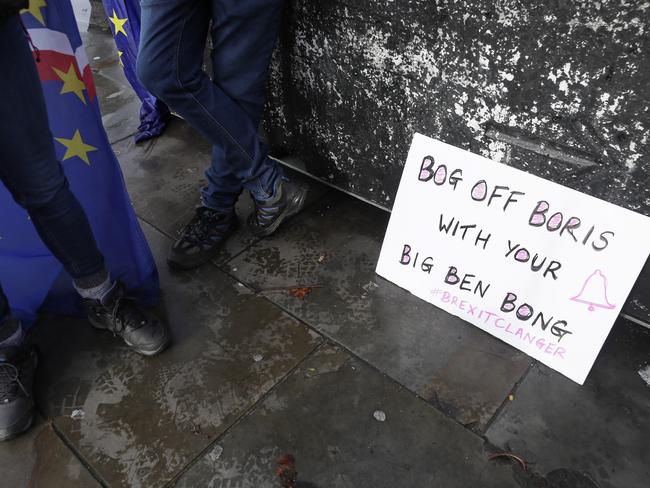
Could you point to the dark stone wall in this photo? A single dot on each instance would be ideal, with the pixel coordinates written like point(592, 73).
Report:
point(558, 88)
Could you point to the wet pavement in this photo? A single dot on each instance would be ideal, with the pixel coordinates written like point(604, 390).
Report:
point(346, 425)
point(601, 428)
point(40, 459)
point(334, 248)
point(366, 386)
point(147, 418)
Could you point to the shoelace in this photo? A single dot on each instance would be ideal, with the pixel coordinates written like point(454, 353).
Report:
point(123, 317)
point(9, 377)
point(198, 230)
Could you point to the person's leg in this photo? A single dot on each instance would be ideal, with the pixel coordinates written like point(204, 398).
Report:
point(172, 42)
point(223, 187)
point(31, 172)
point(28, 164)
point(170, 59)
point(173, 36)
point(243, 36)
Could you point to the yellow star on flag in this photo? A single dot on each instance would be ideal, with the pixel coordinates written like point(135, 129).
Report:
point(34, 8)
point(76, 147)
point(119, 53)
point(118, 24)
point(71, 82)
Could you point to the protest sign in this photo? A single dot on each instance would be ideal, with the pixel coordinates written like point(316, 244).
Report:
point(540, 266)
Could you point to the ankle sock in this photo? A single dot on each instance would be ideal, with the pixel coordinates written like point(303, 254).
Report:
point(11, 333)
point(97, 291)
point(91, 281)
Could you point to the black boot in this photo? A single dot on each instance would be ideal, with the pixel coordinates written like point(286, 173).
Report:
point(289, 198)
point(141, 330)
point(17, 368)
point(202, 238)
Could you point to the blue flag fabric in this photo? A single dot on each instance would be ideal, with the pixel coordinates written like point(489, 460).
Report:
point(124, 19)
point(28, 272)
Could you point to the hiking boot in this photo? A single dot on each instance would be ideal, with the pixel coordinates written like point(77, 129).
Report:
point(141, 330)
point(289, 198)
point(202, 238)
point(17, 368)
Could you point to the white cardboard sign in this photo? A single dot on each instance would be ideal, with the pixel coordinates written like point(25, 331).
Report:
point(538, 265)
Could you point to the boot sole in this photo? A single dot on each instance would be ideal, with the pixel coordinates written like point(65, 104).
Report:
point(181, 265)
point(283, 217)
point(152, 352)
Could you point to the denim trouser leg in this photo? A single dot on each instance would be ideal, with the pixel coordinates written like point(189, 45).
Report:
point(223, 187)
point(28, 165)
point(226, 112)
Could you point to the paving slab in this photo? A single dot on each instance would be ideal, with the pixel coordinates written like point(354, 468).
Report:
point(601, 429)
point(39, 459)
point(164, 177)
point(326, 416)
point(334, 247)
point(146, 418)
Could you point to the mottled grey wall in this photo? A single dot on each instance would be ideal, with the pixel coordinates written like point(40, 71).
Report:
point(352, 80)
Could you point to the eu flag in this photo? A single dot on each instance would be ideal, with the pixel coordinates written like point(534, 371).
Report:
point(29, 274)
point(124, 20)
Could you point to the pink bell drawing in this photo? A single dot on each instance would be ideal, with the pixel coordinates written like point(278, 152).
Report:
point(594, 292)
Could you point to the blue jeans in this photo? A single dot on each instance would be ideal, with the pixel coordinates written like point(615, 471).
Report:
point(227, 109)
point(28, 165)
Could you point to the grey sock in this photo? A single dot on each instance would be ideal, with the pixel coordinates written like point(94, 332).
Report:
point(92, 281)
point(97, 292)
point(11, 333)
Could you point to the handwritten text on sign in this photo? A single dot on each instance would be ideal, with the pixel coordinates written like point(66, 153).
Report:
point(540, 266)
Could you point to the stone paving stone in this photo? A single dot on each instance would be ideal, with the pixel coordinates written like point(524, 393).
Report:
point(335, 245)
point(39, 459)
point(146, 418)
point(324, 415)
point(164, 177)
point(601, 428)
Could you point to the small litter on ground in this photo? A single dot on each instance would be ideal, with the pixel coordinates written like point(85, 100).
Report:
point(78, 414)
point(215, 453)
